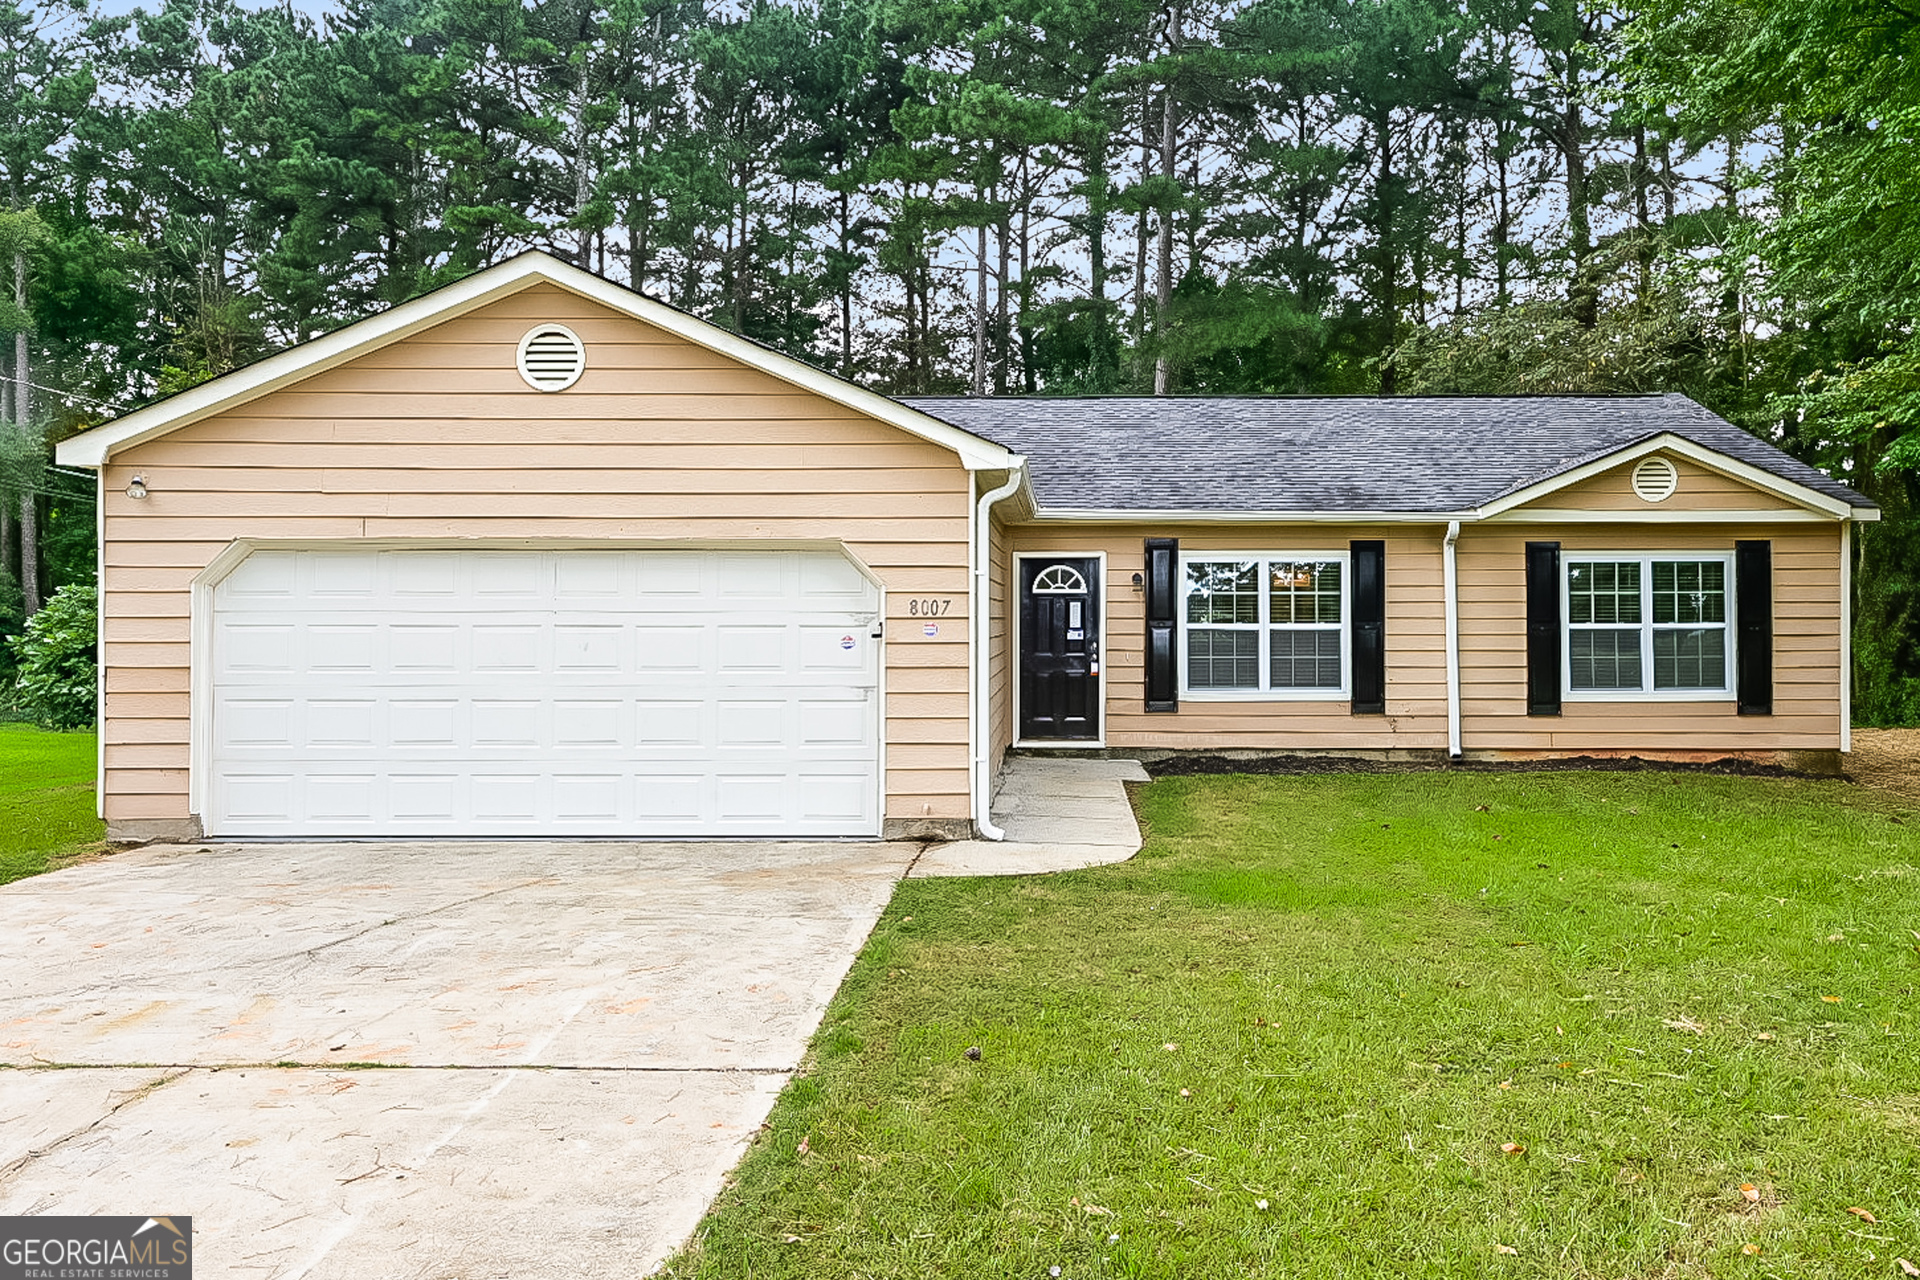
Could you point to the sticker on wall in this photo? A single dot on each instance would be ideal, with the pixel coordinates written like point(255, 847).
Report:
point(931, 630)
point(846, 642)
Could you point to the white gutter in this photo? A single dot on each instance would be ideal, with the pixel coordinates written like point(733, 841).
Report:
point(1450, 573)
point(979, 723)
point(1846, 636)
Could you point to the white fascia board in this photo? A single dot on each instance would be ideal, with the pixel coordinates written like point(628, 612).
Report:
point(1658, 515)
point(94, 448)
point(1667, 442)
point(1094, 515)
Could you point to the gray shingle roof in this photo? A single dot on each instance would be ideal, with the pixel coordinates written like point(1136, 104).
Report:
point(1402, 454)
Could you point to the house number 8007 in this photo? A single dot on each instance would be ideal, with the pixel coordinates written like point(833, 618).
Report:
point(928, 608)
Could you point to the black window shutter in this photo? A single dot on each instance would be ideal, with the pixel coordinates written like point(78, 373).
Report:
point(1369, 635)
point(1163, 616)
point(1543, 628)
point(1753, 589)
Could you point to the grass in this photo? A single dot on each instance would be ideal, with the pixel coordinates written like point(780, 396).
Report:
point(46, 800)
point(1296, 1034)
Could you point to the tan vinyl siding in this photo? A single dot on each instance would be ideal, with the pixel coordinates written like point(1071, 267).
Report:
point(1699, 490)
point(1806, 664)
point(437, 437)
point(1415, 641)
point(1001, 674)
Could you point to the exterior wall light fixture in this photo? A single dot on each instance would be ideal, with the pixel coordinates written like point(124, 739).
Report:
point(137, 488)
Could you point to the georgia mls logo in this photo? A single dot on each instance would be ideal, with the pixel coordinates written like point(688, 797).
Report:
point(96, 1248)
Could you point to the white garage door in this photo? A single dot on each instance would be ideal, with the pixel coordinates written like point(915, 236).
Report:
point(577, 693)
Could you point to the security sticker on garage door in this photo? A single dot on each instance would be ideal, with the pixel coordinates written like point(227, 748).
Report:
point(846, 642)
point(96, 1248)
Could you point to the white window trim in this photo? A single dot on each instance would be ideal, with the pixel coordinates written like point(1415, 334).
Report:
point(1649, 694)
point(1264, 628)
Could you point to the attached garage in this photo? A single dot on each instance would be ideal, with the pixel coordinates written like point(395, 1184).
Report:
point(535, 555)
point(585, 692)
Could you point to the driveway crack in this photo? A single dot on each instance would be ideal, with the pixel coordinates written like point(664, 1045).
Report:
point(311, 952)
point(13, 1167)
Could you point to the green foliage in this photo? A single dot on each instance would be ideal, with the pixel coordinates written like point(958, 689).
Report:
point(1010, 196)
point(58, 656)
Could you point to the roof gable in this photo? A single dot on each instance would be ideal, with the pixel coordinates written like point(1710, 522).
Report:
point(297, 364)
point(1707, 478)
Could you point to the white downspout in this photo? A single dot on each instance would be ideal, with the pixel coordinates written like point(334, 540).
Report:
point(100, 648)
point(1846, 636)
point(1450, 574)
point(980, 726)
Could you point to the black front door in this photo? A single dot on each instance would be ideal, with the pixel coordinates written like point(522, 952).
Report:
point(1060, 648)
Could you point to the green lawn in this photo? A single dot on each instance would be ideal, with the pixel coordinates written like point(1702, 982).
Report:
point(46, 799)
point(1293, 1036)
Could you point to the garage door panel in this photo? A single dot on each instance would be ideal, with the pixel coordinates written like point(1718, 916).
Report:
point(612, 693)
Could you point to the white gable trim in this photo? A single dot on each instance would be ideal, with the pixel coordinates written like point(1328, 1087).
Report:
point(1666, 442)
point(94, 448)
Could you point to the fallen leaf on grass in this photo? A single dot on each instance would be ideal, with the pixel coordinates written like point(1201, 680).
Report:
point(1751, 1250)
point(1505, 1084)
point(1683, 1023)
point(1261, 1205)
point(1749, 1193)
point(1186, 1093)
point(1862, 1214)
point(805, 1145)
point(1513, 1149)
point(1506, 1250)
point(1907, 1268)
point(1170, 1047)
point(1765, 1035)
point(1831, 1000)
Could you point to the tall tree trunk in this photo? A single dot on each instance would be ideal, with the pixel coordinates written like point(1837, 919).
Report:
point(1028, 381)
point(1583, 293)
point(1163, 278)
point(581, 183)
point(1643, 238)
point(1097, 180)
point(1143, 242)
point(23, 416)
point(979, 383)
point(1002, 329)
point(1389, 256)
point(846, 285)
point(1503, 220)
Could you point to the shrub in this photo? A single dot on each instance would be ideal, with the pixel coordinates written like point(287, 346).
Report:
point(58, 659)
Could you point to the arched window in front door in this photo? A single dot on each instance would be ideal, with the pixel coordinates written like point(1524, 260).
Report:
point(1059, 580)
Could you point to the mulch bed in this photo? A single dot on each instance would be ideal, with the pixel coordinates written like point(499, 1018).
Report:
point(1208, 765)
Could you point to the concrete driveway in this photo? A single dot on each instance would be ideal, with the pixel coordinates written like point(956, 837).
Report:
point(574, 1042)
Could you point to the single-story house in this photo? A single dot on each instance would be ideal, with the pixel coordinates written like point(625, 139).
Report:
point(536, 555)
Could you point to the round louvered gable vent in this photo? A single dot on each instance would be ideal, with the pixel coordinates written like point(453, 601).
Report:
point(1655, 479)
point(552, 357)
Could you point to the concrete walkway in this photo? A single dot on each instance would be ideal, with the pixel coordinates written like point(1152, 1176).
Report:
point(1059, 815)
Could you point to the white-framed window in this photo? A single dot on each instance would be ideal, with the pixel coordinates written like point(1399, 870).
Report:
point(1652, 625)
point(1264, 625)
